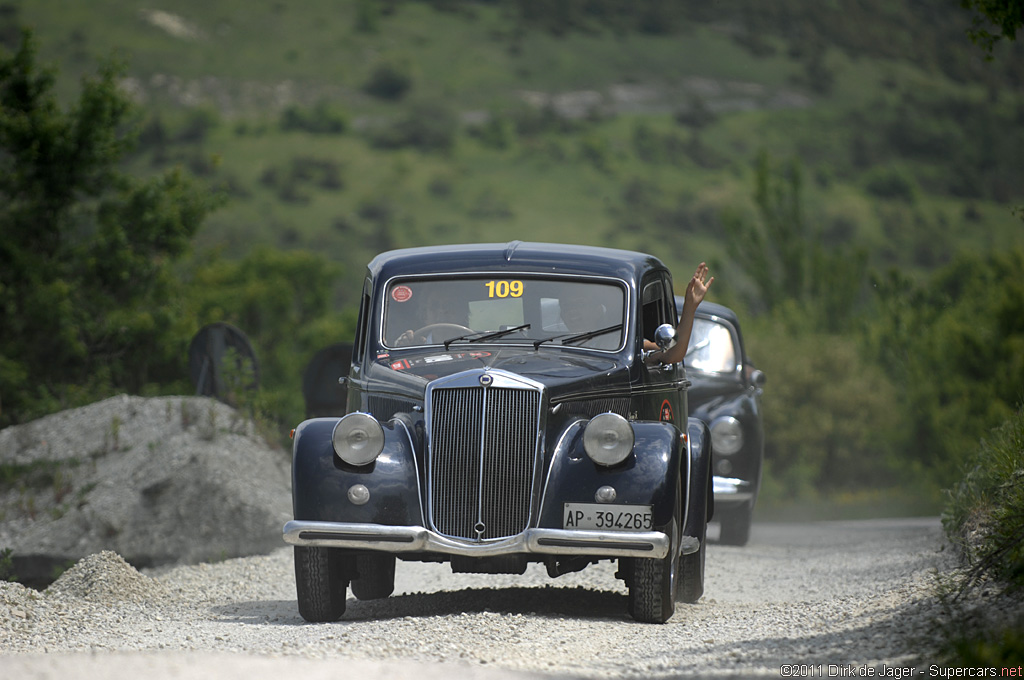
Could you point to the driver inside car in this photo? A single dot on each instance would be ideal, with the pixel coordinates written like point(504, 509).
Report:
point(434, 319)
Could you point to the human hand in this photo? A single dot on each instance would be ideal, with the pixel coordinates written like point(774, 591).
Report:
point(697, 288)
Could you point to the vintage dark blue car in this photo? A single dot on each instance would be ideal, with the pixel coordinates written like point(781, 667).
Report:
point(502, 411)
point(726, 394)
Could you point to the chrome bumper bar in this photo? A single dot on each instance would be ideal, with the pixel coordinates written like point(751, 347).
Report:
point(540, 541)
point(730, 489)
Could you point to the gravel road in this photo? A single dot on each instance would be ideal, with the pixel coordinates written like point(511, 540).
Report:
point(855, 594)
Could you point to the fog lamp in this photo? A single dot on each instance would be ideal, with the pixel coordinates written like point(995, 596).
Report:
point(358, 494)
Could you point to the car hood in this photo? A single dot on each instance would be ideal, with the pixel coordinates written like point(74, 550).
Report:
point(560, 370)
point(708, 392)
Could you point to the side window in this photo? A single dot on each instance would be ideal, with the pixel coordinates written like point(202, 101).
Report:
point(361, 325)
point(656, 307)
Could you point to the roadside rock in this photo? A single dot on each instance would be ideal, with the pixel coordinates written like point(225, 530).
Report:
point(166, 480)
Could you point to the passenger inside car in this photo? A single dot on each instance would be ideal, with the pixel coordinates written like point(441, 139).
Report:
point(696, 289)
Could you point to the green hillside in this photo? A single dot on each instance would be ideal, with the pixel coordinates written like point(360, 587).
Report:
point(874, 137)
point(582, 126)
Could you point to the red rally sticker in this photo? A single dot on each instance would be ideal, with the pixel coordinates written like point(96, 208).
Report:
point(666, 411)
point(401, 293)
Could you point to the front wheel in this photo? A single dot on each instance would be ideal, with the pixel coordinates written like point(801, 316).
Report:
point(320, 583)
point(736, 524)
point(654, 583)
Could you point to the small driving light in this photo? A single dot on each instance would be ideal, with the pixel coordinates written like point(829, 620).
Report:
point(608, 439)
point(358, 439)
point(606, 494)
point(726, 436)
point(358, 494)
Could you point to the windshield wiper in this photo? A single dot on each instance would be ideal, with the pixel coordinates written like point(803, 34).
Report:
point(473, 337)
point(568, 338)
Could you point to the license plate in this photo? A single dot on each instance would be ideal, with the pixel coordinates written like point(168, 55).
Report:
point(606, 517)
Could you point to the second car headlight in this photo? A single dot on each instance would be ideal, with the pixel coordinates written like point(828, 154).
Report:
point(726, 436)
point(608, 439)
point(358, 439)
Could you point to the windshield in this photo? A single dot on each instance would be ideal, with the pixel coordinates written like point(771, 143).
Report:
point(711, 349)
point(505, 310)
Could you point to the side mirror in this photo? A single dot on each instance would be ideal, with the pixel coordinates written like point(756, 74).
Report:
point(665, 336)
point(758, 379)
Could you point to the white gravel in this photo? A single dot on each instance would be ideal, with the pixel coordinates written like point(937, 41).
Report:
point(856, 594)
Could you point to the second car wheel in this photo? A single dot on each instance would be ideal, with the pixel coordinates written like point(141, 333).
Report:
point(736, 524)
point(376, 579)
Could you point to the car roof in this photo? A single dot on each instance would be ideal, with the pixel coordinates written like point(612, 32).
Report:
point(514, 256)
point(714, 309)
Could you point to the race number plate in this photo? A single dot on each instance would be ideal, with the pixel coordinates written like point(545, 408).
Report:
point(606, 517)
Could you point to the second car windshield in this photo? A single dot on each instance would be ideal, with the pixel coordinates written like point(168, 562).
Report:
point(507, 310)
point(711, 348)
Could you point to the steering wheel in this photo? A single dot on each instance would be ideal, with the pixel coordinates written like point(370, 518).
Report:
point(450, 330)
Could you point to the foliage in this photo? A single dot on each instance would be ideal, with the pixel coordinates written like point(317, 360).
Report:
point(283, 302)
point(429, 125)
point(955, 346)
point(784, 254)
point(7, 565)
point(321, 119)
point(1005, 15)
point(984, 517)
point(86, 289)
point(390, 80)
point(833, 420)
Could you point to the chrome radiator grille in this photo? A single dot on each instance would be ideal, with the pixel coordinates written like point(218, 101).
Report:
point(482, 446)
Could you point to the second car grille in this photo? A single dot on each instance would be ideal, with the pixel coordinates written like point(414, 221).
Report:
point(482, 446)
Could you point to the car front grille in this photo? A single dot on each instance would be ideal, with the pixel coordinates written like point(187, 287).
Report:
point(483, 442)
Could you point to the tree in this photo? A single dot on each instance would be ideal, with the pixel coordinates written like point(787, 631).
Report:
point(784, 257)
point(86, 289)
point(1005, 15)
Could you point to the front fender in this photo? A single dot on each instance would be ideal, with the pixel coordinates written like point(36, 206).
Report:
point(646, 477)
point(700, 501)
point(321, 481)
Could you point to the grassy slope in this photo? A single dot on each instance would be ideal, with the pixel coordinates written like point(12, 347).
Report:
point(546, 187)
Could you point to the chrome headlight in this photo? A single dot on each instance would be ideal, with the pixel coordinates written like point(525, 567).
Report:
point(726, 436)
point(608, 439)
point(358, 439)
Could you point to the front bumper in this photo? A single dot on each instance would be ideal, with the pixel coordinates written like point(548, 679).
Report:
point(731, 490)
point(411, 539)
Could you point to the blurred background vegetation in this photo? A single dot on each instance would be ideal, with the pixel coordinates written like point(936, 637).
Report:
point(852, 171)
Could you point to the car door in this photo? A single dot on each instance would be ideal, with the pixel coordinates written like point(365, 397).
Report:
point(663, 395)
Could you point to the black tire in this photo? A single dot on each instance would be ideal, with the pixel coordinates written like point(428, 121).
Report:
point(736, 524)
point(376, 578)
point(655, 582)
point(319, 584)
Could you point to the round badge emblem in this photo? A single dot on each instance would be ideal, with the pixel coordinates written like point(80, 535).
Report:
point(401, 293)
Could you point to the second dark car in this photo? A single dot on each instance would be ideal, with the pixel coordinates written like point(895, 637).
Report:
point(726, 394)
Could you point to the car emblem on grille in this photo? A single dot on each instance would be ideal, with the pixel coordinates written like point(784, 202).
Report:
point(486, 380)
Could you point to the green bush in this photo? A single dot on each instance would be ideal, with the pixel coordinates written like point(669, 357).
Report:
point(390, 79)
point(321, 119)
point(427, 126)
point(984, 517)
